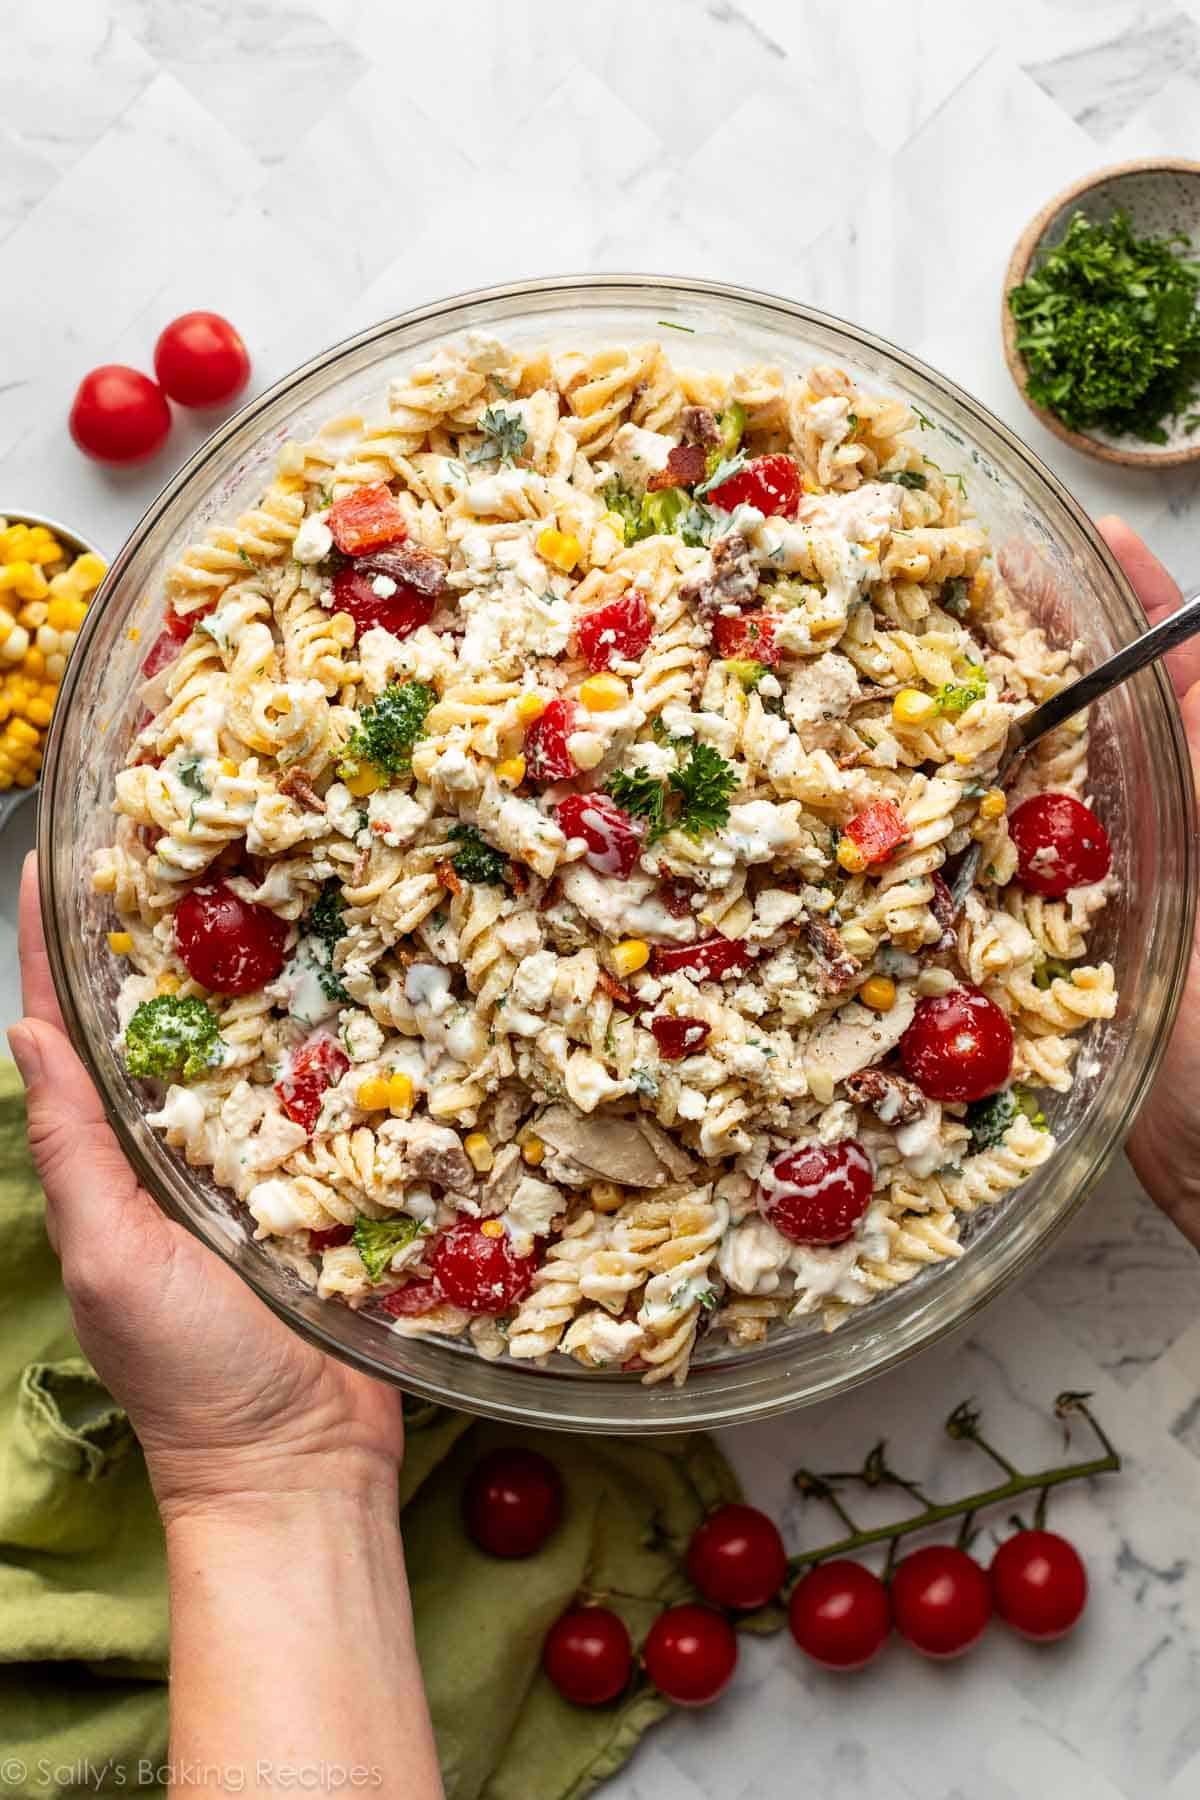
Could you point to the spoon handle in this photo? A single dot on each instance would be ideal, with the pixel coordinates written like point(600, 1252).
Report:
point(1167, 635)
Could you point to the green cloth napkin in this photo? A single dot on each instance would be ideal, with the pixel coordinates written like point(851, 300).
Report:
point(83, 1594)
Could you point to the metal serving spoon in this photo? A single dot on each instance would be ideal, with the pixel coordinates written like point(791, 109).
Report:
point(1167, 635)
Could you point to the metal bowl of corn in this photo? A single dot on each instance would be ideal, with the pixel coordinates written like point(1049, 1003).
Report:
point(48, 575)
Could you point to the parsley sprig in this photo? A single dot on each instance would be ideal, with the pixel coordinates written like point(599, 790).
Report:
point(504, 437)
point(693, 799)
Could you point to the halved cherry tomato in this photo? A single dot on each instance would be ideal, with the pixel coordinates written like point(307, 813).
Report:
point(200, 360)
point(959, 1046)
point(613, 839)
point(317, 1065)
point(677, 897)
point(226, 943)
point(677, 1037)
point(818, 1193)
point(1061, 844)
point(546, 755)
point(707, 960)
point(480, 1273)
point(747, 637)
point(617, 631)
point(878, 830)
point(395, 605)
point(366, 520)
point(771, 483)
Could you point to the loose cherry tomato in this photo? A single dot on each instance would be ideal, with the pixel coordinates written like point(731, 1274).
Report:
point(618, 631)
point(396, 605)
point(772, 483)
point(333, 1239)
point(413, 1298)
point(317, 1065)
point(588, 1655)
point(707, 960)
point(959, 1046)
point(546, 755)
point(747, 637)
point(366, 520)
point(878, 830)
point(613, 839)
point(818, 1193)
point(941, 1600)
point(513, 1500)
point(119, 415)
point(1061, 844)
point(201, 360)
point(839, 1614)
point(736, 1558)
point(690, 1654)
point(678, 1037)
point(227, 943)
point(479, 1272)
point(1039, 1584)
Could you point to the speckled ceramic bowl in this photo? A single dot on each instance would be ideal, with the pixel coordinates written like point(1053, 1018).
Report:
point(1160, 195)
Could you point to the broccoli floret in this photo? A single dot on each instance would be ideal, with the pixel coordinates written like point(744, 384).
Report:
point(732, 425)
point(619, 500)
point(745, 670)
point(989, 1119)
point(669, 512)
point(377, 1241)
point(475, 859)
point(324, 928)
point(388, 729)
point(170, 1036)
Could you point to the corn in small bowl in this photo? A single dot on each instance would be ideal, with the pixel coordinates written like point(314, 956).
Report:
point(48, 575)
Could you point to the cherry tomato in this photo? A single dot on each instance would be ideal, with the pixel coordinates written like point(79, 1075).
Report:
point(588, 1655)
point(747, 637)
point(317, 1065)
point(227, 943)
point(818, 1193)
point(878, 830)
point(332, 1239)
point(678, 1037)
point(959, 1046)
point(161, 654)
point(736, 1558)
point(839, 1614)
point(707, 960)
point(772, 483)
point(413, 1298)
point(399, 607)
point(1039, 1584)
point(941, 1600)
point(546, 755)
point(366, 520)
point(513, 1500)
point(119, 415)
point(677, 897)
point(690, 1654)
point(201, 360)
point(479, 1272)
point(618, 631)
point(613, 839)
point(1061, 844)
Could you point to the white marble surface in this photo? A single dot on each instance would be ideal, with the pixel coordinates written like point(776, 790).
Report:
point(309, 166)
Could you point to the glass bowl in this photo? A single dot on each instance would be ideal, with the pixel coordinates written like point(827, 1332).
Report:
point(1140, 773)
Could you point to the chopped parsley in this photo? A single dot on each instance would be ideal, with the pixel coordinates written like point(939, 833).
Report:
point(377, 1241)
point(172, 1036)
point(923, 421)
point(1050, 970)
point(672, 326)
point(954, 697)
point(475, 859)
point(388, 729)
point(504, 437)
point(954, 597)
point(1109, 329)
point(989, 1119)
point(246, 558)
point(324, 926)
point(908, 478)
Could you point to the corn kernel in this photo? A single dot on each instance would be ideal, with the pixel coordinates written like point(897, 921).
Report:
point(365, 782)
point(879, 993)
point(22, 732)
point(49, 641)
point(511, 772)
point(603, 693)
point(34, 663)
point(559, 548)
point(120, 943)
point(630, 955)
point(994, 804)
point(89, 570)
point(56, 667)
point(168, 984)
point(25, 777)
point(65, 615)
point(615, 523)
point(912, 707)
point(228, 767)
point(14, 646)
point(38, 712)
point(870, 552)
point(479, 1151)
point(372, 1094)
point(979, 587)
point(850, 856)
point(963, 757)
point(533, 1151)
point(530, 707)
point(492, 1228)
point(605, 1196)
point(400, 1093)
point(33, 614)
point(24, 580)
point(826, 627)
point(586, 749)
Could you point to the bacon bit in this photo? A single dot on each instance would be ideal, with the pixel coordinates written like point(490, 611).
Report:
point(551, 896)
point(733, 581)
point(407, 562)
point(623, 996)
point(836, 968)
point(447, 877)
point(685, 466)
point(633, 1365)
point(516, 877)
point(850, 759)
point(700, 424)
point(297, 785)
point(942, 908)
point(879, 1087)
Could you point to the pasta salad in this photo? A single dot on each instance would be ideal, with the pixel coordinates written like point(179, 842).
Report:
point(528, 863)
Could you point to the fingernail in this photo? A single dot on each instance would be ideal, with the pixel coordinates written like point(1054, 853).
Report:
point(26, 1054)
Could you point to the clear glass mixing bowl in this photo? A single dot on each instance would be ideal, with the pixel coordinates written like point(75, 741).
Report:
point(1140, 774)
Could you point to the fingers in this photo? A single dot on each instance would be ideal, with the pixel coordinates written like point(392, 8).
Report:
point(37, 985)
point(1156, 590)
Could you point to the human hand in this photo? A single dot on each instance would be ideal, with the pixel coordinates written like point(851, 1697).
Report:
point(1164, 1146)
point(227, 1401)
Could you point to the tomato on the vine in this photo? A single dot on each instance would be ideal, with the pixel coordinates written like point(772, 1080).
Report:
point(690, 1654)
point(839, 1614)
point(941, 1600)
point(200, 360)
point(736, 1557)
point(226, 943)
point(119, 415)
point(588, 1655)
point(959, 1046)
point(512, 1502)
point(1039, 1584)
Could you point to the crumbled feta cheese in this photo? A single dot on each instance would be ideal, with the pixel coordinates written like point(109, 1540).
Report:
point(314, 540)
